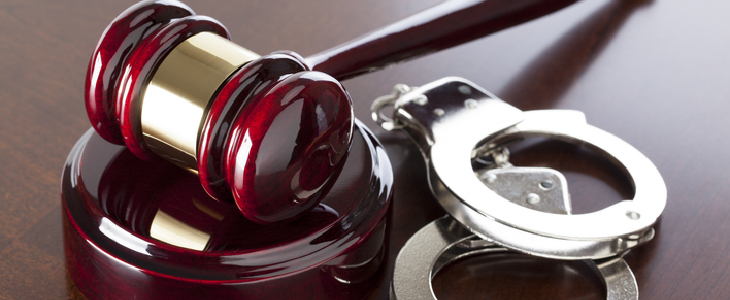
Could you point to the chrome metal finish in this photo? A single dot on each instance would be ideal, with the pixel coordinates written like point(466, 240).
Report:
point(522, 186)
point(472, 122)
point(445, 240)
point(380, 103)
point(619, 280)
point(175, 101)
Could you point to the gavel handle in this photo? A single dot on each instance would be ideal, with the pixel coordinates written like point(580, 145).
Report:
point(442, 26)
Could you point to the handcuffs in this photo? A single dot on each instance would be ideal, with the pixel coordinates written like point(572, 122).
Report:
point(500, 207)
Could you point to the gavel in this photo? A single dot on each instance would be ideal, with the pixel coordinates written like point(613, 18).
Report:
point(271, 132)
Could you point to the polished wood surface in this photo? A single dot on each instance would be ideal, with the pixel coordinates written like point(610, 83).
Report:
point(654, 73)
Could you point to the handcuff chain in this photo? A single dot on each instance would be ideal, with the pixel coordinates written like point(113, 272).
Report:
point(500, 156)
point(387, 122)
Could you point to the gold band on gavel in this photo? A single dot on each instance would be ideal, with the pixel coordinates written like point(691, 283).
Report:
point(175, 101)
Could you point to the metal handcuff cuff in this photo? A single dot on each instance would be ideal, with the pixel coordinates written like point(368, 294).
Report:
point(503, 207)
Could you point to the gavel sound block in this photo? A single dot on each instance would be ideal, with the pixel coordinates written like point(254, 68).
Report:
point(136, 229)
point(167, 83)
point(270, 133)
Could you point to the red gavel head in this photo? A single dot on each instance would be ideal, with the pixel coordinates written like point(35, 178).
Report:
point(265, 132)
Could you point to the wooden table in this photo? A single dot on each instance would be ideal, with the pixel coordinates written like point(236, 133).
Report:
point(655, 73)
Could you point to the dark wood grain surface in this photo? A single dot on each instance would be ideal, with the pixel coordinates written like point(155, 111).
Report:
point(655, 73)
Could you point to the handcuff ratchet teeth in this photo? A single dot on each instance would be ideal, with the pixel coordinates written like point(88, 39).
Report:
point(455, 123)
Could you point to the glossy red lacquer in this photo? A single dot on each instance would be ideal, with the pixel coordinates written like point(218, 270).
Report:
point(442, 26)
point(310, 147)
point(111, 200)
point(119, 41)
point(276, 135)
point(290, 147)
point(249, 82)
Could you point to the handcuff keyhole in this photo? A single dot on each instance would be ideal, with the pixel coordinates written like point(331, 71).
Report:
point(464, 89)
point(547, 185)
